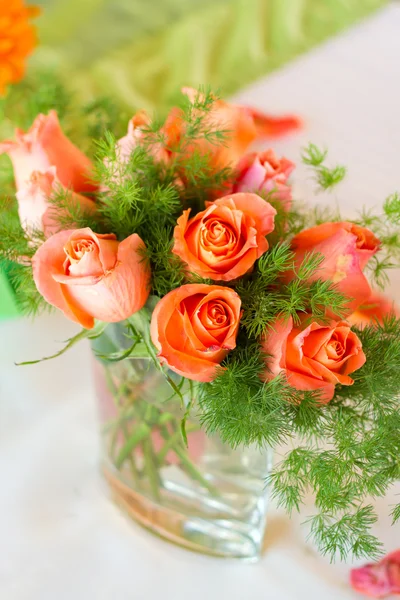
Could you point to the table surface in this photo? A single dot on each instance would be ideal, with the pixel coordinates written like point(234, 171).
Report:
point(60, 535)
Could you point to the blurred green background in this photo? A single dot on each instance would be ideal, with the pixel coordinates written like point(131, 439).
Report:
point(142, 52)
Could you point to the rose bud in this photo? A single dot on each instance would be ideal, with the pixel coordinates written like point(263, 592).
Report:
point(346, 249)
point(194, 327)
point(223, 242)
point(312, 357)
point(378, 580)
point(46, 145)
point(126, 145)
point(263, 173)
point(374, 310)
point(91, 276)
point(34, 202)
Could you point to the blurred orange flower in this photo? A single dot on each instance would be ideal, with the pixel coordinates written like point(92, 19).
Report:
point(17, 39)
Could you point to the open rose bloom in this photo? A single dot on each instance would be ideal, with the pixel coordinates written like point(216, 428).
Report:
point(91, 276)
point(224, 241)
point(314, 356)
point(221, 325)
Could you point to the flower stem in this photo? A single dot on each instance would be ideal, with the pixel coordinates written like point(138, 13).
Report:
point(186, 463)
point(151, 468)
point(140, 434)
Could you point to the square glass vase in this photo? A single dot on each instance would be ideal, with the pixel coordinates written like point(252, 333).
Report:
point(204, 496)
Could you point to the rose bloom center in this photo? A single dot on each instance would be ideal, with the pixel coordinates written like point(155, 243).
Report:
point(76, 249)
point(78, 252)
point(214, 315)
point(335, 348)
point(215, 233)
point(362, 242)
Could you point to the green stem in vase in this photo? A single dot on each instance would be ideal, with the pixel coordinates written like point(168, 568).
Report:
point(170, 443)
point(140, 321)
point(142, 432)
point(151, 468)
point(185, 461)
point(131, 458)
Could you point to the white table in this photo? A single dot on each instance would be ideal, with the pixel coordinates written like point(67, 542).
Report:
point(60, 537)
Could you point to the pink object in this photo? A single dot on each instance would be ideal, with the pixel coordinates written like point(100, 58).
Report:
point(90, 276)
point(128, 143)
point(43, 146)
point(34, 206)
point(264, 172)
point(378, 580)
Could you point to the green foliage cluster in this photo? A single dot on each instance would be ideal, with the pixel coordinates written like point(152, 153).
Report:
point(326, 177)
point(385, 224)
point(146, 196)
point(263, 300)
point(386, 227)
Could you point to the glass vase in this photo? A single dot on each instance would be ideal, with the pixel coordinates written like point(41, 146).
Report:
point(202, 494)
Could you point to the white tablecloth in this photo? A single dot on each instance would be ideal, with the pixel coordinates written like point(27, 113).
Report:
point(60, 536)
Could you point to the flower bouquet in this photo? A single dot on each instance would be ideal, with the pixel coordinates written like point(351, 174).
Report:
point(226, 319)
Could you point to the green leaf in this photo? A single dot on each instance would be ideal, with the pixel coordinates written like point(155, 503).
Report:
point(391, 208)
point(326, 177)
point(137, 350)
point(183, 421)
point(313, 156)
point(396, 514)
point(82, 335)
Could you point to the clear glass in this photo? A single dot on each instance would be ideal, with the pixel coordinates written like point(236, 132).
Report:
point(203, 496)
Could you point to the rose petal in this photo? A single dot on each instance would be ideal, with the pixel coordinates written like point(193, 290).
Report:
point(340, 265)
point(375, 309)
point(274, 346)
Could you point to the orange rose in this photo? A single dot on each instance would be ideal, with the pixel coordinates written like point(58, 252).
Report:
point(194, 327)
point(223, 241)
point(316, 357)
point(45, 145)
point(346, 249)
point(91, 276)
point(241, 124)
